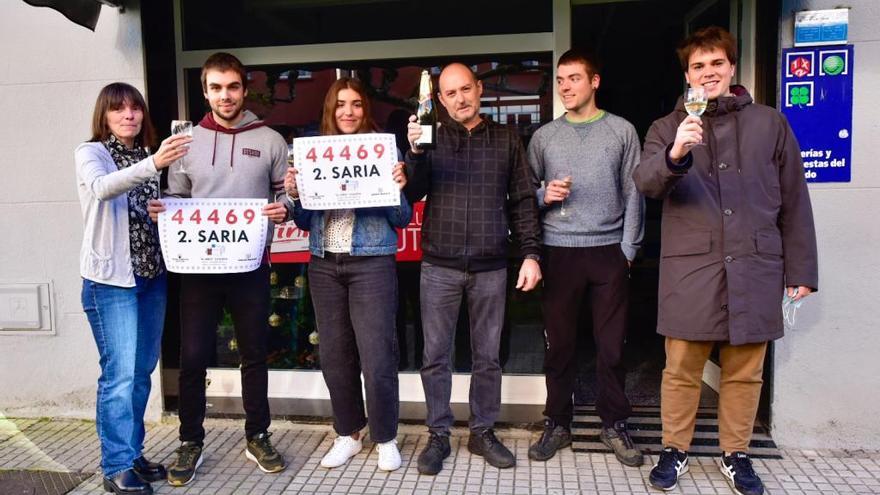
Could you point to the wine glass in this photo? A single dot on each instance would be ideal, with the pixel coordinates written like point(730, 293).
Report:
point(185, 128)
point(695, 102)
point(564, 174)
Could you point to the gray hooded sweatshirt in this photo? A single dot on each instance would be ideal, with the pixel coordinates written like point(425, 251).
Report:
point(247, 161)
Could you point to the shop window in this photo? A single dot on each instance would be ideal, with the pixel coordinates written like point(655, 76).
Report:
point(517, 92)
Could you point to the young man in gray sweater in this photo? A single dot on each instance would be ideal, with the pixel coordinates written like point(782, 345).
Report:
point(593, 221)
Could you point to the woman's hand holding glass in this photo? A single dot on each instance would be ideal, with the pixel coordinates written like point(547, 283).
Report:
point(170, 150)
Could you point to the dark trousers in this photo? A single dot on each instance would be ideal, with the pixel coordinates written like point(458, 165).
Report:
point(202, 298)
point(408, 274)
point(442, 290)
point(355, 299)
point(569, 275)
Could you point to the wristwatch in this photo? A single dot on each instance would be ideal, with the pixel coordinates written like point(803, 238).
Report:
point(535, 257)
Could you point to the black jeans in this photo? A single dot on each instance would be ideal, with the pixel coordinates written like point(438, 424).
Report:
point(202, 298)
point(569, 275)
point(355, 299)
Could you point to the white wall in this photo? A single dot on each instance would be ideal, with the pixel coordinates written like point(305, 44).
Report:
point(827, 384)
point(50, 74)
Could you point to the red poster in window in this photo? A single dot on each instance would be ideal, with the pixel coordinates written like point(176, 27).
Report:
point(290, 244)
point(409, 239)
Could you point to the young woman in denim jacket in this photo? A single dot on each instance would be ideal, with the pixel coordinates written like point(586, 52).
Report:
point(353, 279)
point(123, 292)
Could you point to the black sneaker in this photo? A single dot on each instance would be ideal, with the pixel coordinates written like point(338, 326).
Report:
point(483, 443)
point(126, 483)
point(183, 469)
point(618, 440)
point(147, 471)
point(431, 458)
point(260, 450)
point(555, 437)
point(737, 468)
point(671, 464)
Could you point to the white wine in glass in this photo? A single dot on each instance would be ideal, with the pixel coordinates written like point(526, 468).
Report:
point(565, 176)
point(695, 102)
point(185, 128)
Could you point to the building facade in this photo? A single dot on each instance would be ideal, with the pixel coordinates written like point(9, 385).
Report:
point(822, 378)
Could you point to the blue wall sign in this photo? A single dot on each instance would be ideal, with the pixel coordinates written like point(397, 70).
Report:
point(817, 99)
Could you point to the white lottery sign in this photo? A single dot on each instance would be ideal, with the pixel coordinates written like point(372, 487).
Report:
point(346, 171)
point(212, 235)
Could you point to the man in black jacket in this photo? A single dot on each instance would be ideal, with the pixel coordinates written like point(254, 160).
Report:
point(478, 186)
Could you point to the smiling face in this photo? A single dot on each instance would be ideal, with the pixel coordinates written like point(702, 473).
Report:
point(125, 122)
point(460, 94)
point(225, 93)
point(712, 70)
point(576, 87)
point(349, 111)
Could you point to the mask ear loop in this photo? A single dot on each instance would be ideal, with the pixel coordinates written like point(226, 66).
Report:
point(788, 312)
point(789, 309)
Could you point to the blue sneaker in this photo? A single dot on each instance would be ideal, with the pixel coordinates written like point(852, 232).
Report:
point(737, 468)
point(671, 464)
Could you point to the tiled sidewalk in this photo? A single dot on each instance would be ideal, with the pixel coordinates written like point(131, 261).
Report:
point(72, 446)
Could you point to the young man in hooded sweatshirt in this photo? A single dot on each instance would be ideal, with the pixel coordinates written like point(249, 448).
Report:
point(233, 155)
point(737, 231)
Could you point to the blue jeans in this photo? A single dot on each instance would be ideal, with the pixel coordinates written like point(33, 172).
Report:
point(355, 299)
point(441, 294)
point(127, 325)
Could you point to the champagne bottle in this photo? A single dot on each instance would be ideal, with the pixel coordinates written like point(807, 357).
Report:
point(427, 114)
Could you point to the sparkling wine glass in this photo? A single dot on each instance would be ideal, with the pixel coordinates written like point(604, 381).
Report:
point(564, 174)
point(185, 128)
point(695, 102)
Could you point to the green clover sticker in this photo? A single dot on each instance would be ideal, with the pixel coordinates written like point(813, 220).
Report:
point(799, 95)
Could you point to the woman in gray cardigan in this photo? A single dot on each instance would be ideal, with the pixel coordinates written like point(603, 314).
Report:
point(123, 291)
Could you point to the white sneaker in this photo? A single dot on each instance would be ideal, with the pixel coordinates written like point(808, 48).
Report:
point(343, 449)
point(389, 456)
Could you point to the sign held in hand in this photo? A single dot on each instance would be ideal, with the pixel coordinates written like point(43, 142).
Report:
point(346, 171)
point(212, 235)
